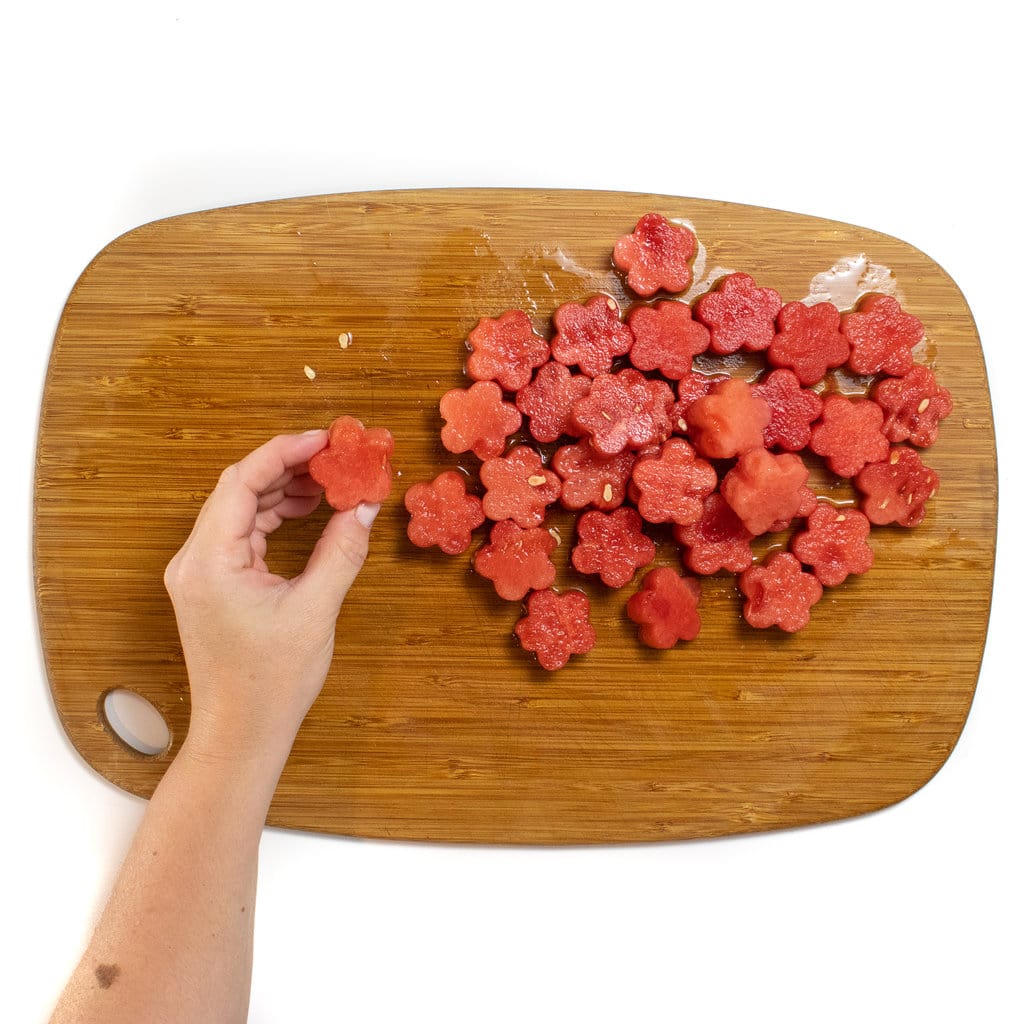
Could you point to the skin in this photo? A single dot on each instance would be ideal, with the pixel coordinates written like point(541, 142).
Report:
point(176, 938)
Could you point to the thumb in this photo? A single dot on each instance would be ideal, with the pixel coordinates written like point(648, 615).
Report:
point(338, 556)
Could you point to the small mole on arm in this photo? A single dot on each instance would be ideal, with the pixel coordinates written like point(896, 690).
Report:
point(106, 974)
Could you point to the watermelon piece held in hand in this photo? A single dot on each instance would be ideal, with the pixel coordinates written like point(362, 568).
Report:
point(355, 466)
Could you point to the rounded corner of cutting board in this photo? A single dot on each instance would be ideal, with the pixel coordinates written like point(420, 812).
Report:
point(168, 316)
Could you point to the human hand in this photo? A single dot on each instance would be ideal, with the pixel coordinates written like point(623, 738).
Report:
point(257, 646)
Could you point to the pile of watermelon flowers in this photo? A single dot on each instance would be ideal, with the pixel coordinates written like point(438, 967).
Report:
point(643, 437)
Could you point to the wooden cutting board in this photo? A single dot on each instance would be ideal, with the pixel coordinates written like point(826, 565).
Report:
point(184, 345)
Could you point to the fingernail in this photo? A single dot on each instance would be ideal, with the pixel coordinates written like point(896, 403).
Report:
point(309, 433)
point(366, 513)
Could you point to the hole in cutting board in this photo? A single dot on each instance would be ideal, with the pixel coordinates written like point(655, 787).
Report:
point(136, 722)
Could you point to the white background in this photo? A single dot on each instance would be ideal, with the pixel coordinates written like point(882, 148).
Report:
point(902, 118)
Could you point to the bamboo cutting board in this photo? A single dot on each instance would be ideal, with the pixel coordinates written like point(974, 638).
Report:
point(185, 344)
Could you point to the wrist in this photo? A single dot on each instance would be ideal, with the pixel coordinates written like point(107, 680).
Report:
point(237, 750)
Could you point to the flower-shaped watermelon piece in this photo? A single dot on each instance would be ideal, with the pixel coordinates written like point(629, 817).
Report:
point(665, 608)
point(506, 350)
point(556, 626)
point(671, 485)
point(518, 487)
point(728, 421)
point(808, 340)
point(849, 434)
point(612, 545)
point(898, 489)
point(913, 405)
point(442, 513)
point(666, 338)
point(739, 314)
point(517, 559)
point(624, 410)
point(689, 388)
point(766, 491)
point(779, 593)
point(881, 336)
point(793, 410)
point(478, 420)
point(656, 255)
point(548, 401)
point(591, 479)
point(590, 336)
point(716, 541)
point(356, 464)
point(834, 544)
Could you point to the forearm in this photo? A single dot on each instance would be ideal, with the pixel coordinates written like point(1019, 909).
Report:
point(175, 940)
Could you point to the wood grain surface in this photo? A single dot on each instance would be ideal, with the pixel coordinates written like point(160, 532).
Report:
point(183, 346)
